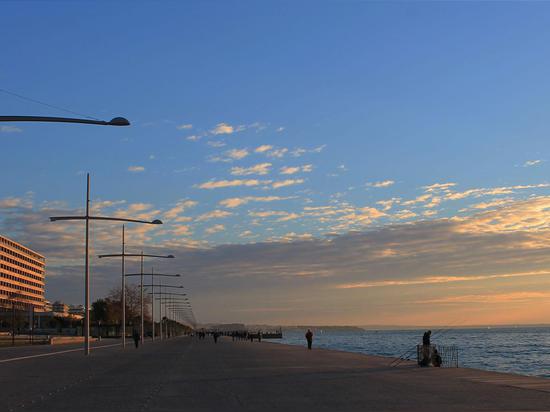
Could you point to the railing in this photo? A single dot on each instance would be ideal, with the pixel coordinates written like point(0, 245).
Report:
point(430, 355)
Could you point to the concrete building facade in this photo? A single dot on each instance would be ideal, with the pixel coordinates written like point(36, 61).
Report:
point(21, 275)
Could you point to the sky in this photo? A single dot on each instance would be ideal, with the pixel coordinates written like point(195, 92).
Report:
point(328, 162)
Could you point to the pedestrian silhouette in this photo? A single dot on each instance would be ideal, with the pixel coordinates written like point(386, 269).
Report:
point(135, 335)
point(309, 338)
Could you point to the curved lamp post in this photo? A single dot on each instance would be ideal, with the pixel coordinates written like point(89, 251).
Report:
point(87, 218)
point(117, 121)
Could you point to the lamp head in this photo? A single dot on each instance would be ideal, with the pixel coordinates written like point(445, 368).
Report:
point(119, 121)
point(156, 222)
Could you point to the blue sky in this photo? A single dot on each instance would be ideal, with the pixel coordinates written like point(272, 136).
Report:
point(320, 119)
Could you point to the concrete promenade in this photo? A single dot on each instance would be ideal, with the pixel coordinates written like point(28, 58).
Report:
point(186, 374)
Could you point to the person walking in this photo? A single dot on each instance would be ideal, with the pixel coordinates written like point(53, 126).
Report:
point(135, 335)
point(309, 338)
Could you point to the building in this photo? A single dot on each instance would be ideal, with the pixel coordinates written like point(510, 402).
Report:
point(60, 308)
point(21, 276)
point(76, 311)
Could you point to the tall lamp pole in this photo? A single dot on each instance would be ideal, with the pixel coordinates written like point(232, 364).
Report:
point(87, 218)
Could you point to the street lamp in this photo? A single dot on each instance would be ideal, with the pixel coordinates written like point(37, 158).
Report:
point(123, 281)
point(87, 218)
point(117, 121)
point(142, 255)
point(152, 285)
point(163, 298)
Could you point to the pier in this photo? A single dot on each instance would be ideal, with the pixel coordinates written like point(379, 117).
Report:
point(188, 374)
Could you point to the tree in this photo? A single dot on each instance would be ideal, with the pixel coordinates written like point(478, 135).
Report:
point(100, 310)
point(133, 303)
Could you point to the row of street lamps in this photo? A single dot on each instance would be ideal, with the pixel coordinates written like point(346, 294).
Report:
point(117, 121)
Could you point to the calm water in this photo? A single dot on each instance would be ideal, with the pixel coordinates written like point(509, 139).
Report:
point(523, 350)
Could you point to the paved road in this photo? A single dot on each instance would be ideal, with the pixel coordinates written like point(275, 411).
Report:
point(190, 375)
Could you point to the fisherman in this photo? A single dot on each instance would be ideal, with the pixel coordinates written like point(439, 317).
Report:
point(309, 338)
point(426, 348)
point(436, 358)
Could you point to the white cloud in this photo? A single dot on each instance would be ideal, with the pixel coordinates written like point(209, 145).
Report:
point(278, 152)
point(194, 138)
point(259, 169)
point(216, 184)
point(239, 201)
point(136, 169)
point(179, 208)
point(215, 143)
point(280, 129)
point(237, 154)
point(288, 182)
point(10, 129)
point(184, 127)
point(223, 128)
point(231, 155)
point(214, 229)
point(438, 187)
point(290, 170)
point(384, 183)
point(263, 148)
point(214, 214)
point(530, 163)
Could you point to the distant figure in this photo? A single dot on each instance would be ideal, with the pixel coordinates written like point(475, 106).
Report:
point(436, 359)
point(135, 336)
point(426, 338)
point(259, 336)
point(215, 335)
point(309, 338)
point(426, 358)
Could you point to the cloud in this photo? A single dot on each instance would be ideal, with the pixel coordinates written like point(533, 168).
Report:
point(239, 201)
point(194, 138)
point(231, 155)
point(263, 148)
point(237, 154)
point(441, 279)
point(11, 202)
point(184, 126)
point(530, 163)
point(289, 170)
point(287, 182)
point(280, 129)
point(388, 204)
point(277, 152)
point(214, 229)
point(491, 191)
point(484, 299)
point(136, 169)
point(222, 128)
point(384, 183)
point(531, 215)
point(437, 187)
point(215, 143)
point(179, 208)
point(259, 169)
point(214, 214)
point(216, 184)
point(246, 233)
point(181, 230)
point(10, 129)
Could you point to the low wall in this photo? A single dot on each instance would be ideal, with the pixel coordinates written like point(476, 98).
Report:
point(61, 340)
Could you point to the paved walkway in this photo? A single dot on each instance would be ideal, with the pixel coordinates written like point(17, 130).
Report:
point(190, 375)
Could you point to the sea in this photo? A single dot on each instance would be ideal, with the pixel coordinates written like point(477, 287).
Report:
point(521, 350)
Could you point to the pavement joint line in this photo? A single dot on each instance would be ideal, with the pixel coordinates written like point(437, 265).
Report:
point(55, 353)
